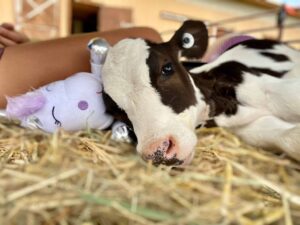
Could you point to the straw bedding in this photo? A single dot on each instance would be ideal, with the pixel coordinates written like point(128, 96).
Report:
point(85, 178)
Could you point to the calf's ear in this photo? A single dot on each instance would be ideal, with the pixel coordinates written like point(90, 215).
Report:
point(191, 39)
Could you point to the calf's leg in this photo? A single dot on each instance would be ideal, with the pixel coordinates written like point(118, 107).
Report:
point(272, 133)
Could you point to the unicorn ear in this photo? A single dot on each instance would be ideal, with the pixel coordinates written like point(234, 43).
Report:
point(191, 39)
point(22, 106)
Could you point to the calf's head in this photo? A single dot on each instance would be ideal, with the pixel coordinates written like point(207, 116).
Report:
point(148, 83)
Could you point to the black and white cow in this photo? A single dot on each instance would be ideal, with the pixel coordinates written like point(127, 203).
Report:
point(252, 89)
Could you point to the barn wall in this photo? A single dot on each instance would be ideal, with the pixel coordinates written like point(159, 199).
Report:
point(6, 11)
point(146, 13)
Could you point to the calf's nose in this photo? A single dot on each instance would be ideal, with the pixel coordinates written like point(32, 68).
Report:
point(162, 151)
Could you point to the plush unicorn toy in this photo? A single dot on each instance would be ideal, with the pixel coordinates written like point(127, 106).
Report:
point(72, 104)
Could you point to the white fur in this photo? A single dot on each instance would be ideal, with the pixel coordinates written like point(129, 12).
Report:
point(273, 133)
point(244, 115)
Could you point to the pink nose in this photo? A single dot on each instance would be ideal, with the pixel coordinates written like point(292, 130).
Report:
point(163, 151)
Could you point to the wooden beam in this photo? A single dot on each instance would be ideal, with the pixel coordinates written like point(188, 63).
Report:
point(65, 18)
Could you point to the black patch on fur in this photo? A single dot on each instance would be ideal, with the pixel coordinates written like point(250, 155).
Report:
point(113, 109)
point(218, 87)
point(175, 90)
point(119, 114)
point(276, 57)
point(210, 123)
point(260, 44)
point(258, 71)
point(188, 65)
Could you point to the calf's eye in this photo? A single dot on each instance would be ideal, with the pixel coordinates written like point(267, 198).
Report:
point(188, 40)
point(167, 69)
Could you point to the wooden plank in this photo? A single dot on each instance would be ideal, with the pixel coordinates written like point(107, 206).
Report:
point(65, 18)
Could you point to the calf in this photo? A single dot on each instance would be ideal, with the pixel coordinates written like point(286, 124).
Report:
point(251, 89)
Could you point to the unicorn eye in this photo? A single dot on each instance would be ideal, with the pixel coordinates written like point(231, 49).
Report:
point(187, 40)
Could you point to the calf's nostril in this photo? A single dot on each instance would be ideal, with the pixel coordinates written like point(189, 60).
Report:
point(170, 150)
point(164, 146)
point(163, 152)
point(165, 149)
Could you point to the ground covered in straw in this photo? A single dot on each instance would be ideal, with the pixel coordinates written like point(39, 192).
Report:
point(86, 179)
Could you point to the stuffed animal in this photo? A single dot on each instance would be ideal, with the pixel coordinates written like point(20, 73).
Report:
point(72, 104)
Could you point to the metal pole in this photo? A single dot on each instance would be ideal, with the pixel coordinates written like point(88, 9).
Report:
point(297, 24)
point(281, 16)
point(241, 18)
point(292, 41)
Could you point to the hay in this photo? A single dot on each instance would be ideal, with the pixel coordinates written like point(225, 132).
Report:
point(86, 179)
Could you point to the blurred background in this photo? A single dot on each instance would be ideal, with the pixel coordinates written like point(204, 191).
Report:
point(45, 19)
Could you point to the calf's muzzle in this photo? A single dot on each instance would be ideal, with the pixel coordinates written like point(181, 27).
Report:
point(162, 151)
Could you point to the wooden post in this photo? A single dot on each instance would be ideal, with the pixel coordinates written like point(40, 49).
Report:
point(65, 18)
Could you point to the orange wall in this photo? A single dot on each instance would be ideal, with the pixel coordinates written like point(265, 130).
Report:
point(6, 11)
point(147, 13)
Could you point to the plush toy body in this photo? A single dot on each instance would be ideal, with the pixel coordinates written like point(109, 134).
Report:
point(72, 104)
